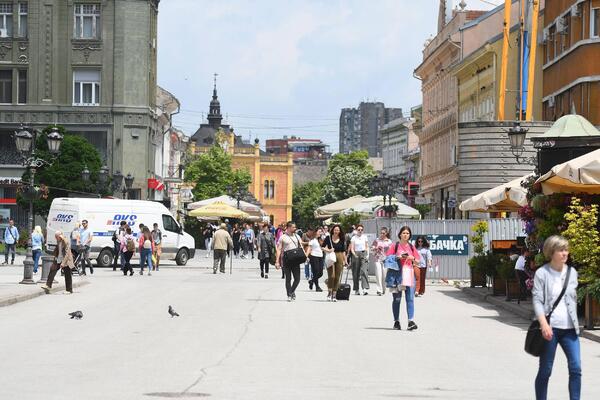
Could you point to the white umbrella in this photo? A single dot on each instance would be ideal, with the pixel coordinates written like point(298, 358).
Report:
point(244, 205)
point(579, 175)
point(509, 196)
point(369, 206)
point(329, 210)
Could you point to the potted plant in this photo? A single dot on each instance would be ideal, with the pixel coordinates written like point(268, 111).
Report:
point(478, 263)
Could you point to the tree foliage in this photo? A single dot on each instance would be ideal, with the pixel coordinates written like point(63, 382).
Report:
point(584, 240)
point(348, 175)
point(64, 174)
point(306, 199)
point(347, 221)
point(211, 172)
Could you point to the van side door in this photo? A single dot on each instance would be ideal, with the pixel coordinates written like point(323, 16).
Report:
point(170, 236)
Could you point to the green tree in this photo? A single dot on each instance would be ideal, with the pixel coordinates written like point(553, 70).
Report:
point(584, 239)
point(64, 175)
point(211, 172)
point(306, 199)
point(346, 221)
point(348, 175)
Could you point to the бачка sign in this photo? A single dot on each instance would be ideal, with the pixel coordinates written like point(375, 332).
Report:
point(447, 245)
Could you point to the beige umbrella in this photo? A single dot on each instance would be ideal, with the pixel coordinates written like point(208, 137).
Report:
point(508, 197)
point(218, 209)
point(579, 175)
point(336, 208)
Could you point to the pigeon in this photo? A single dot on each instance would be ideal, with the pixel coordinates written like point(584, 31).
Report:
point(76, 315)
point(172, 312)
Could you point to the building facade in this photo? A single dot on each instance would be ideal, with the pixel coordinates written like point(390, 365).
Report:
point(89, 66)
point(394, 139)
point(310, 157)
point(571, 59)
point(360, 127)
point(272, 175)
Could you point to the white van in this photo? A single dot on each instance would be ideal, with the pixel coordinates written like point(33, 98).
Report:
point(104, 217)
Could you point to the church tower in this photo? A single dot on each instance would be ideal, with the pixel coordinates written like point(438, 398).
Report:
point(214, 114)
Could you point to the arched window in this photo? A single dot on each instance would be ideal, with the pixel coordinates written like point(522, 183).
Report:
point(266, 194)
point(272, 189)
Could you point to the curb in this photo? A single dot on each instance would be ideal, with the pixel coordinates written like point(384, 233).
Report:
point(519, 311)
point(8, 301)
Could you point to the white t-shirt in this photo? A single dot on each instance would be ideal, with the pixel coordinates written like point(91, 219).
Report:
point(361, 243)
point(315, 248)
point(520, 264)
point(560, 317)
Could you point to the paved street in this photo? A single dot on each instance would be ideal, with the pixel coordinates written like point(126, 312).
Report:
point(237, 338)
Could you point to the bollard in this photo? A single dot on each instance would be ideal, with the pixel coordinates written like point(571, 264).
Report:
point(46, 265)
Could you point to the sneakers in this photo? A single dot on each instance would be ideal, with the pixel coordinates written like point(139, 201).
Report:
point(289, 298)
point(262, 274)
point(411, 326)
point(334, 299)
point(294, 296)
point(266, 276)
point(365, 293)
point(214, 271)
point(379, 293)
point(45, 287)
point(357, 293)
point(318, 289)
point(149, 273)
point(141, 272)
point(310, 284)
point(397, 326)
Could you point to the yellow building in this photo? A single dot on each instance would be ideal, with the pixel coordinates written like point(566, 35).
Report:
point(272, 176)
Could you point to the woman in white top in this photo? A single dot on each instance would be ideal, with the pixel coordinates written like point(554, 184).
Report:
point(380, 248)
point(425, 261)
point(315, 256)
point(359, 248)
point(563, 327)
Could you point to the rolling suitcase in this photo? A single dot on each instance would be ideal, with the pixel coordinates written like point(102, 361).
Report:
point(343, 292)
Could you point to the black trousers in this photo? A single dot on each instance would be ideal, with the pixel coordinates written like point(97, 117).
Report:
point(127, 258)
point(264, 265)
point(316, 266)
point(522, 277)
point(291, 271)
point(68, 278)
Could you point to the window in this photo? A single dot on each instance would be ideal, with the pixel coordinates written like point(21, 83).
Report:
point(23, 20)
point(6, 86)
point(87, 21)
point(6, 19)
point(595, 23)
point(22, 88)
point(266, 192)
point(169, 224)
point(86, 87)
point(272, 189)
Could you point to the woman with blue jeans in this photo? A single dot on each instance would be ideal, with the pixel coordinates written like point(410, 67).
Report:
point(563, 327)
point(37, 240)
point(146, 247)
point(400, 277)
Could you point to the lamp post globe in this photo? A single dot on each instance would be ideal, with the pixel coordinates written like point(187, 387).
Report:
point(117, 180)
point(54, 140)
point(516, 136)
point(129, 181)
point(23, 140)
point(103, 175)
point(85, 174)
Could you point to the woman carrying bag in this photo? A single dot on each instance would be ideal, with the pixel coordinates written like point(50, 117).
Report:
point(555, 304)
point(334, 246)
point(290, 251)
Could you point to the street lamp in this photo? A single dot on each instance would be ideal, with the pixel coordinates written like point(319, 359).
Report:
point(237, 191)
point(516, 137)
point(85, 174)
point(25, 142)
point(128, 184)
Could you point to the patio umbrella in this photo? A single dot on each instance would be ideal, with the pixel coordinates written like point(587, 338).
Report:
point(244, 205)
point(579, 175)
point(369, 206)
point(508, 197)
point(220, 210)
point(329, 210)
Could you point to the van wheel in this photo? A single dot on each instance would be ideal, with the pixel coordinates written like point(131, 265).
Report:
point(105, 258)
point(182, 257)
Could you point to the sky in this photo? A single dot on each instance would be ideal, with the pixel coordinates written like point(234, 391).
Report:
point(287, 67)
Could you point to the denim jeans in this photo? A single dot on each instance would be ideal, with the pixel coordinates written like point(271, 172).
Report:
point(410, 303)
point(146, 258)
point(569, 342)
point(37, 253)
point(307, 270)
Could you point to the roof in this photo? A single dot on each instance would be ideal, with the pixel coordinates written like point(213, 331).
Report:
point(571, 125)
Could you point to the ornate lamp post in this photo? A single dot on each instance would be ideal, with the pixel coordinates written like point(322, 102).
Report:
point(516, 136)
point(25, 142)
point(237, 191)
point(386, 186)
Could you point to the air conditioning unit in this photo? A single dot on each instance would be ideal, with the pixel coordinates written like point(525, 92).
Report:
point(575, 12)
point(3, 32)
point(551, 101)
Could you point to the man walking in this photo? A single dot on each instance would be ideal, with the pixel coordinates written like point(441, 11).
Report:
point(157, 238)
point(222, 242)
point(11, 237)
point(85, 243)
point(116, 238)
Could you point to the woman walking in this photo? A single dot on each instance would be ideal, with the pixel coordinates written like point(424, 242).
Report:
point(380, 248)
point(336, 244)
point(562, 326)
point(425, 260)
point(146, 247)
point(37, 240)
point(208, 238)
point(315, 256)
point(402, 279)
point(266, 245)
point(127, 250)
point(235, 236)
point(292, 253)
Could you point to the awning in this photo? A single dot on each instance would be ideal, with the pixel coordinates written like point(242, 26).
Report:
point(336, 208)
point(218, 209)
point(508, 197)
point(579, 175)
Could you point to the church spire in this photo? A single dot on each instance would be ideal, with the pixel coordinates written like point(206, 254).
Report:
point(214, 114)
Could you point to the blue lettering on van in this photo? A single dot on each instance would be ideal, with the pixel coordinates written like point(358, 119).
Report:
point(63, 218)
point(116, 220)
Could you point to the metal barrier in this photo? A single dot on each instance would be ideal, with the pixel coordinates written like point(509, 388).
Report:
point(449, 262)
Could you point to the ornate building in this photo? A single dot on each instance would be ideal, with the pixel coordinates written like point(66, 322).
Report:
point(272, 175)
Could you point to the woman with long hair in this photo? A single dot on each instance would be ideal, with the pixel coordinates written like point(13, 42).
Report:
point(425, 260)
point(235, 236)
point(562, 327)
point(315, 255)
point(335, 243)
point(127, 250)
point(402, 280)
point(380, 247)
point(146, 246)
point(37, 241)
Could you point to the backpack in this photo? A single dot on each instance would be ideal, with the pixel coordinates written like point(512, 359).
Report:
point(130, 244)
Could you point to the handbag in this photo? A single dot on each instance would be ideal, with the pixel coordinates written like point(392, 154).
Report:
point(534, 341)
point(391, 261)
point(294, 256)
point(330, 259)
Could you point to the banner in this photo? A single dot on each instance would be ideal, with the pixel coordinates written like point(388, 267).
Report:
point(447, 245)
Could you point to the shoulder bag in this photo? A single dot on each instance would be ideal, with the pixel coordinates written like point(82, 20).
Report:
point(294, 256)
point(534, 341)
point(391, 261)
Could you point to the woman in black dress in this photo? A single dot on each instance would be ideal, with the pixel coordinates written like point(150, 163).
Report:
point(235, 236)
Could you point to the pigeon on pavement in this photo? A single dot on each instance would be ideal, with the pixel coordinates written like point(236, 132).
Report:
point(76, 315)
point(172, 312)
